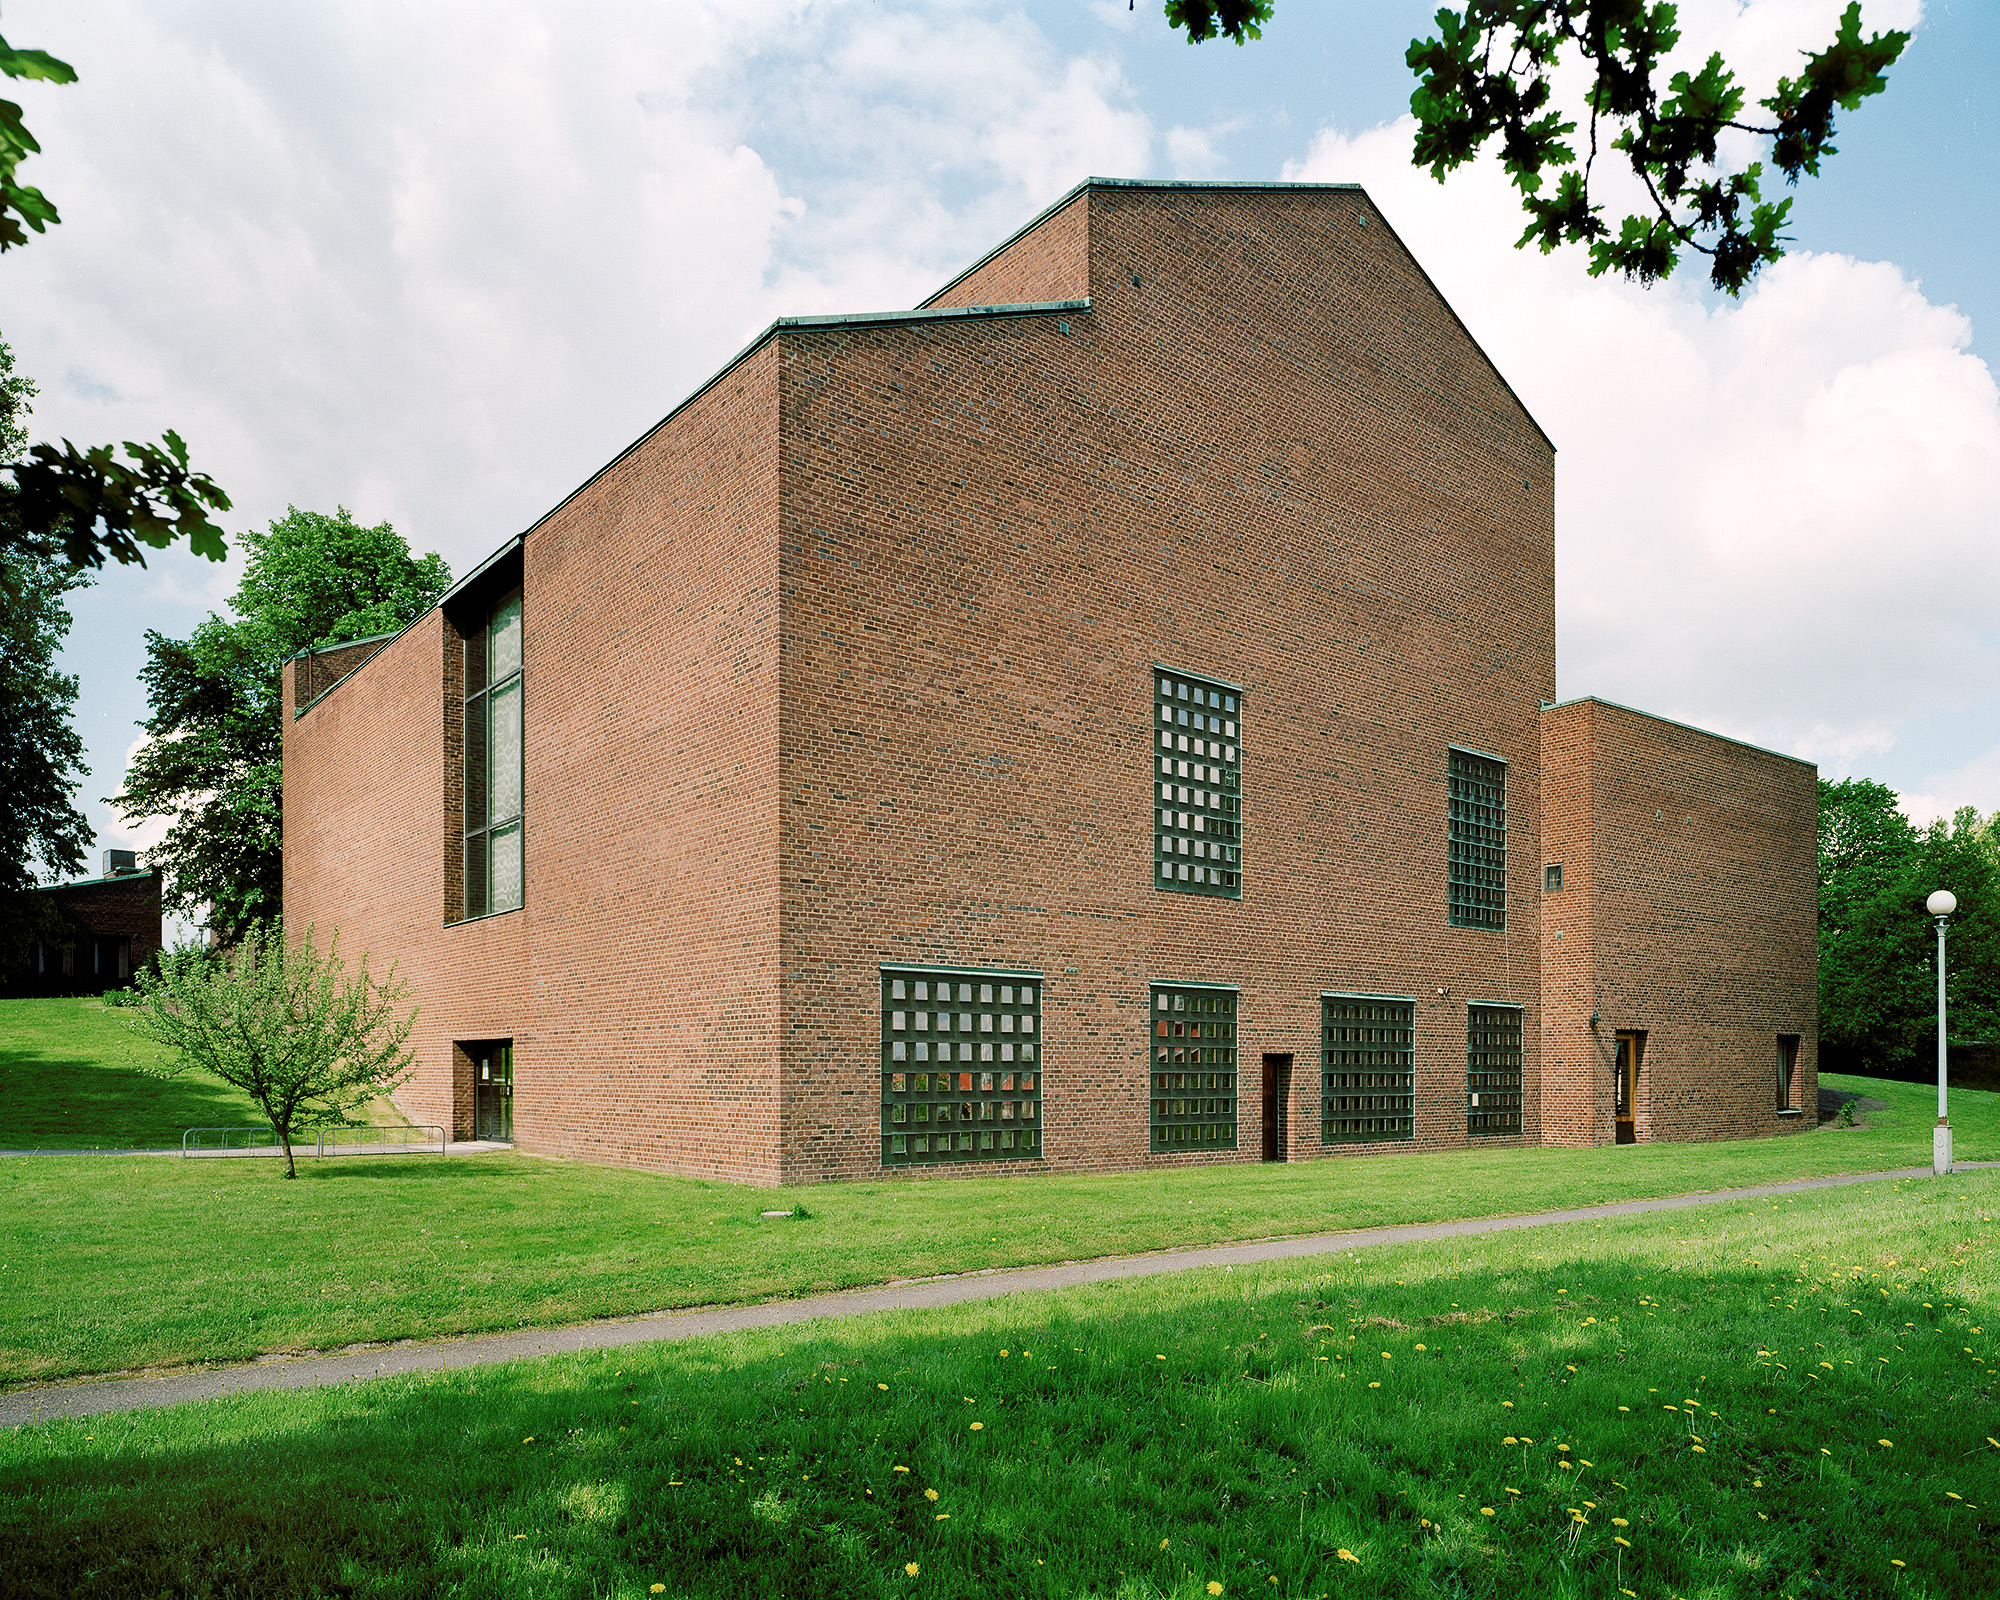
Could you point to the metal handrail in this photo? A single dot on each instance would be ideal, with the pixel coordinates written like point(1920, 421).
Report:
point(320, 1141)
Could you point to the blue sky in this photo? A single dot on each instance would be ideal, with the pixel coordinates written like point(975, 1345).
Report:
point(438, 265)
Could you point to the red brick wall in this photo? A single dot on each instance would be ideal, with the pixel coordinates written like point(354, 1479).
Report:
point(320, 670)
point(1050, 262)
point(637, 983)
point(1688, 912)
point(127, 908)
point(1278, 461)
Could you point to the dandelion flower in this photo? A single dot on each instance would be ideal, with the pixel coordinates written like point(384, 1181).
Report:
point(1699, 1449)
point(520, 1536)
point(529, 1440)
point(1619, 1538)
point(1824, 1451)
point(1513, 1491)
point(899, 1469)
point(1507, 1405)
point(977, 1426)
point(1214, 1587)
point(658, 1588)
point(1163, 1544)
point(1624, 1408)
point(1894, 1562)
point(930, 1494)
point(1620, 1522)
point(882, 1386)
point(1885, 1444)
point(1348, 1555)
point(1387, 1357)
point(1486, 1511)
point(1423, 1347)
point(1510, 1439)
point(1374, 1385)
point(942, 1516)
point(911, 1569)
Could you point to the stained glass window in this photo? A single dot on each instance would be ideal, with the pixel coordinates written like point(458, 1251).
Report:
point(1197, 786)
point(1476, 880)
point(1193, 1042)
point(1493, 1069)
point(961, 1066)
point(1368, 1060)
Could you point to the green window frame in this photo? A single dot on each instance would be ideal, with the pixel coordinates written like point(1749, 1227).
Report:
point(1197, 785)
point(495, 763)
point(1368, 1071)
point(1492, 1070)
point(961, 1066)
point(1191, 1047)
point(1476, 840)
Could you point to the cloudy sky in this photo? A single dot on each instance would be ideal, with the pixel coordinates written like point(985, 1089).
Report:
point(438, 263)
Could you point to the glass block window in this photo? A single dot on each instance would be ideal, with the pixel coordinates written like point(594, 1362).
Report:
point(961, 1066)
point(1368, 1065)
point(494, 880)
point(1476, 883)
point(1194, 1069)
point(1493, 1069)
point(1197, 787)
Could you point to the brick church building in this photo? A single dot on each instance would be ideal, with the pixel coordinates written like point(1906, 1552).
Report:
point(1100, 719)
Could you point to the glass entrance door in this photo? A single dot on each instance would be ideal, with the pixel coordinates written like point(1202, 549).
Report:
point(493, 1093)
point(1625, 1069)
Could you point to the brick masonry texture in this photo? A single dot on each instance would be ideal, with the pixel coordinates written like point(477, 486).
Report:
point(124, 907)
point(850, 661)
point(1688, 913)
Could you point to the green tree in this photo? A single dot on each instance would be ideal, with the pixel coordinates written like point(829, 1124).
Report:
point(87, 501)
point(213, 760)
point(1489, 73)
point(41, 757)
point(1878, 947)
point(281, 1021)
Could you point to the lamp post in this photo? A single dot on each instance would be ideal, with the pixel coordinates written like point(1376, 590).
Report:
point(1941, 905)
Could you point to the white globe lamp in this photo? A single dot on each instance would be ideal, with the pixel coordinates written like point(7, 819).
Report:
point(1941, 905)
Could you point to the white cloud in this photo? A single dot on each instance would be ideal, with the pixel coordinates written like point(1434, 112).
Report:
point(1973, 783)
point(1774, 518)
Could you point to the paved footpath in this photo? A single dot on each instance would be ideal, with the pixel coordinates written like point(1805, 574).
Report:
point(91, 1398)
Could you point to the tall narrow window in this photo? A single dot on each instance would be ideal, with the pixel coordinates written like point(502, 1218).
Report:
point(1476, 882)
point(1493, 1069)
point(1788, 1072)
point(1197, 786)
point(961, 1066)
point(1369, 1063)
point(1194, 1069)
point(494, 879)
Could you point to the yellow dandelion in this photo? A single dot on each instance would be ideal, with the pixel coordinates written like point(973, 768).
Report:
point(1824, 1451)
point(1486, 1511)
point(1619, 1538)
point(520, 1536)
point(1374, 1385)
point(1348, 1555)
point(1159, 1358)
point(1568, 1368)
point(883, 1387)
point(1163, 1544)
point(1624, 1408)
point(531, 1439)
point(1513, 1491)
point(1950, 1496)
point(1620, 1522)
point(1699, 1449)
point(977, 1426)
point(911, 1569)
point(1214, 1587)
point(899, 1469)
point(1507, 1405)
point(942, 1516)
point(1894, 1562)
point(930, 1494)
point(1562, 1449)
point(1423, 1347)
point(1003, 1352)
point(658, 1588)
point(1885, 1444)
point(1510, 1439)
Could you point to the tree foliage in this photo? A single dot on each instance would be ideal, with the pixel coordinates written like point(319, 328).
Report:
point(213, 760)
point(282, 1022)
point(1489, 74)
point(42, 833)
point(1878, 946)
point(87, 501)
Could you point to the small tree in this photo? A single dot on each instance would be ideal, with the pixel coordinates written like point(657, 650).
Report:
point(281, 1022)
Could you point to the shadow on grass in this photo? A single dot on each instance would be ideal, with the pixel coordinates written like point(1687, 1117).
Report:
point(53, 1102)
point(1266, 1435)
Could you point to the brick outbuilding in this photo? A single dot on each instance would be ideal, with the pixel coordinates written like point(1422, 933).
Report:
point(1097, 720)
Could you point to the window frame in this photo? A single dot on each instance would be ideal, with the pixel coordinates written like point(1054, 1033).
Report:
point(1475, 889)
point(1212, 794)
point(1328, 1000)
point(1162, 1122)
point(476, 712)
point(999, 1124)
point(1487, 1121)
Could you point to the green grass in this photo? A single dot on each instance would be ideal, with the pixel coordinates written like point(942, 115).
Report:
point(109, 1263)
point(70, 1080)
point(1765, 1399)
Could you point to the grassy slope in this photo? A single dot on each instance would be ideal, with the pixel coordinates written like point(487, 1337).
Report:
point(1777, 1398)
point(118, 1262)
point(69, 1080)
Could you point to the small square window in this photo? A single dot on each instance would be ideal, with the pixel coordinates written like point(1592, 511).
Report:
point(1552, 877)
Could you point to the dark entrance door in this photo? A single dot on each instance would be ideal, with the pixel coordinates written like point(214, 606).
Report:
point(1277, 1094)
point(493, 1092)
point(1625, 1069)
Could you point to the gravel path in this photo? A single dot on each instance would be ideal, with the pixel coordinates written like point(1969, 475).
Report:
point(96, 1397)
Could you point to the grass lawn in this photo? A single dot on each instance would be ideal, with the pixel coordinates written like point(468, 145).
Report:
point(70, 1079)
point(1775, 1398)
point(108, 1263)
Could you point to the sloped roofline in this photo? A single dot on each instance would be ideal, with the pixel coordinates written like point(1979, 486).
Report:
point(1675, 722)
point(1264, 186)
